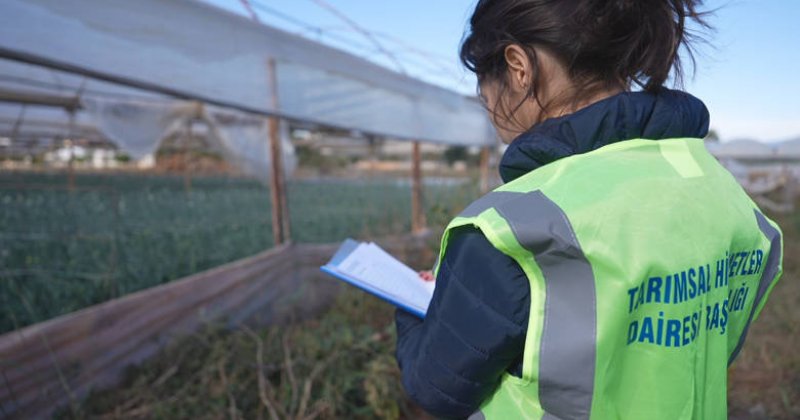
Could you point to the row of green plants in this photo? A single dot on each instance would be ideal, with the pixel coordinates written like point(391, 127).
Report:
point(63, 249)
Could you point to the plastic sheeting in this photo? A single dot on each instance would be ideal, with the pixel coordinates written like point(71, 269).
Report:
point(135, 128)
point(135, 121)
point(245, 142)
point(138, 128)
point(206, 53)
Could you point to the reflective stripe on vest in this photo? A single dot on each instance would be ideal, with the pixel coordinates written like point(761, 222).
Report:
point(768, 276)
point(567, 361)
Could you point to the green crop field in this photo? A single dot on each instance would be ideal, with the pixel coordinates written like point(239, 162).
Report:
point(64, 249)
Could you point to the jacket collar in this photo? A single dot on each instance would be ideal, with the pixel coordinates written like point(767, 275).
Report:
point(625, 116)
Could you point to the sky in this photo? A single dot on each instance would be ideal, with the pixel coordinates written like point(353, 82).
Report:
point(748, 75)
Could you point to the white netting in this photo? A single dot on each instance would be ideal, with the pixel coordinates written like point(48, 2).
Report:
point(138, 128)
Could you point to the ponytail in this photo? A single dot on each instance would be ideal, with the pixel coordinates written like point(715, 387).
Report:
point(631, 42)
point(603, 43)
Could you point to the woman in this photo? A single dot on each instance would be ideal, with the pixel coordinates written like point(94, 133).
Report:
point(616, 271)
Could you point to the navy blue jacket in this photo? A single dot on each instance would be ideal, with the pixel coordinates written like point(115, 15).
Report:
point(476, 323)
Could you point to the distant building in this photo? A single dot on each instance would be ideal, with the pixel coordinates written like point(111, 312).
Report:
point(146, 162)
point(763, 169)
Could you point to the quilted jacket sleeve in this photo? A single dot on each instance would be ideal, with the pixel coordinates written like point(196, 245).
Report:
point(473, 332)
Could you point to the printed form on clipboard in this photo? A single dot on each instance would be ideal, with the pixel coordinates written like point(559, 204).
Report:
point(368, 267)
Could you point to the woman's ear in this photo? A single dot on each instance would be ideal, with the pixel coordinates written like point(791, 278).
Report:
point(520, 68)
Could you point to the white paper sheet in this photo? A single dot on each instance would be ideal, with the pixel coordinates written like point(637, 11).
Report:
point(376, 271)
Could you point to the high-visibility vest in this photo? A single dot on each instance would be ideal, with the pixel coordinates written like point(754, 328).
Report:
point(647, 262)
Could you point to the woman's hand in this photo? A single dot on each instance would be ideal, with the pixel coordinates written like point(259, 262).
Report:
point(427, 275)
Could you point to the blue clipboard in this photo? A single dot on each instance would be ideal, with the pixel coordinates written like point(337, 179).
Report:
point(344, 250)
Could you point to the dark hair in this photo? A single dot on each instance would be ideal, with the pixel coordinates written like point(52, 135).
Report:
point(603, 43)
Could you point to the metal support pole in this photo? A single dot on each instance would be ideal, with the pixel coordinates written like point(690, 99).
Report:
point(417, 212)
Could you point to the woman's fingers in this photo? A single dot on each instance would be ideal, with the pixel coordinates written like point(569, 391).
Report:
point(427, 275)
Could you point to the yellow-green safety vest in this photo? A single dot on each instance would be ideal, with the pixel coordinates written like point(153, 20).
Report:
point(647, 262)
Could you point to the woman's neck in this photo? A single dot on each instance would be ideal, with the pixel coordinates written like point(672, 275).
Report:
point(573, 105)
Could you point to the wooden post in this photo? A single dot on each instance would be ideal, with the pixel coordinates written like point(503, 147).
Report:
point(417, 212)
point(788, 188)
point(484, 165)
point(70, 164)
point(372, 152)
point(185, 156)
point(280, 213)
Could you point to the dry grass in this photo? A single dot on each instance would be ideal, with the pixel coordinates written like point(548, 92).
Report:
point(340, 365)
